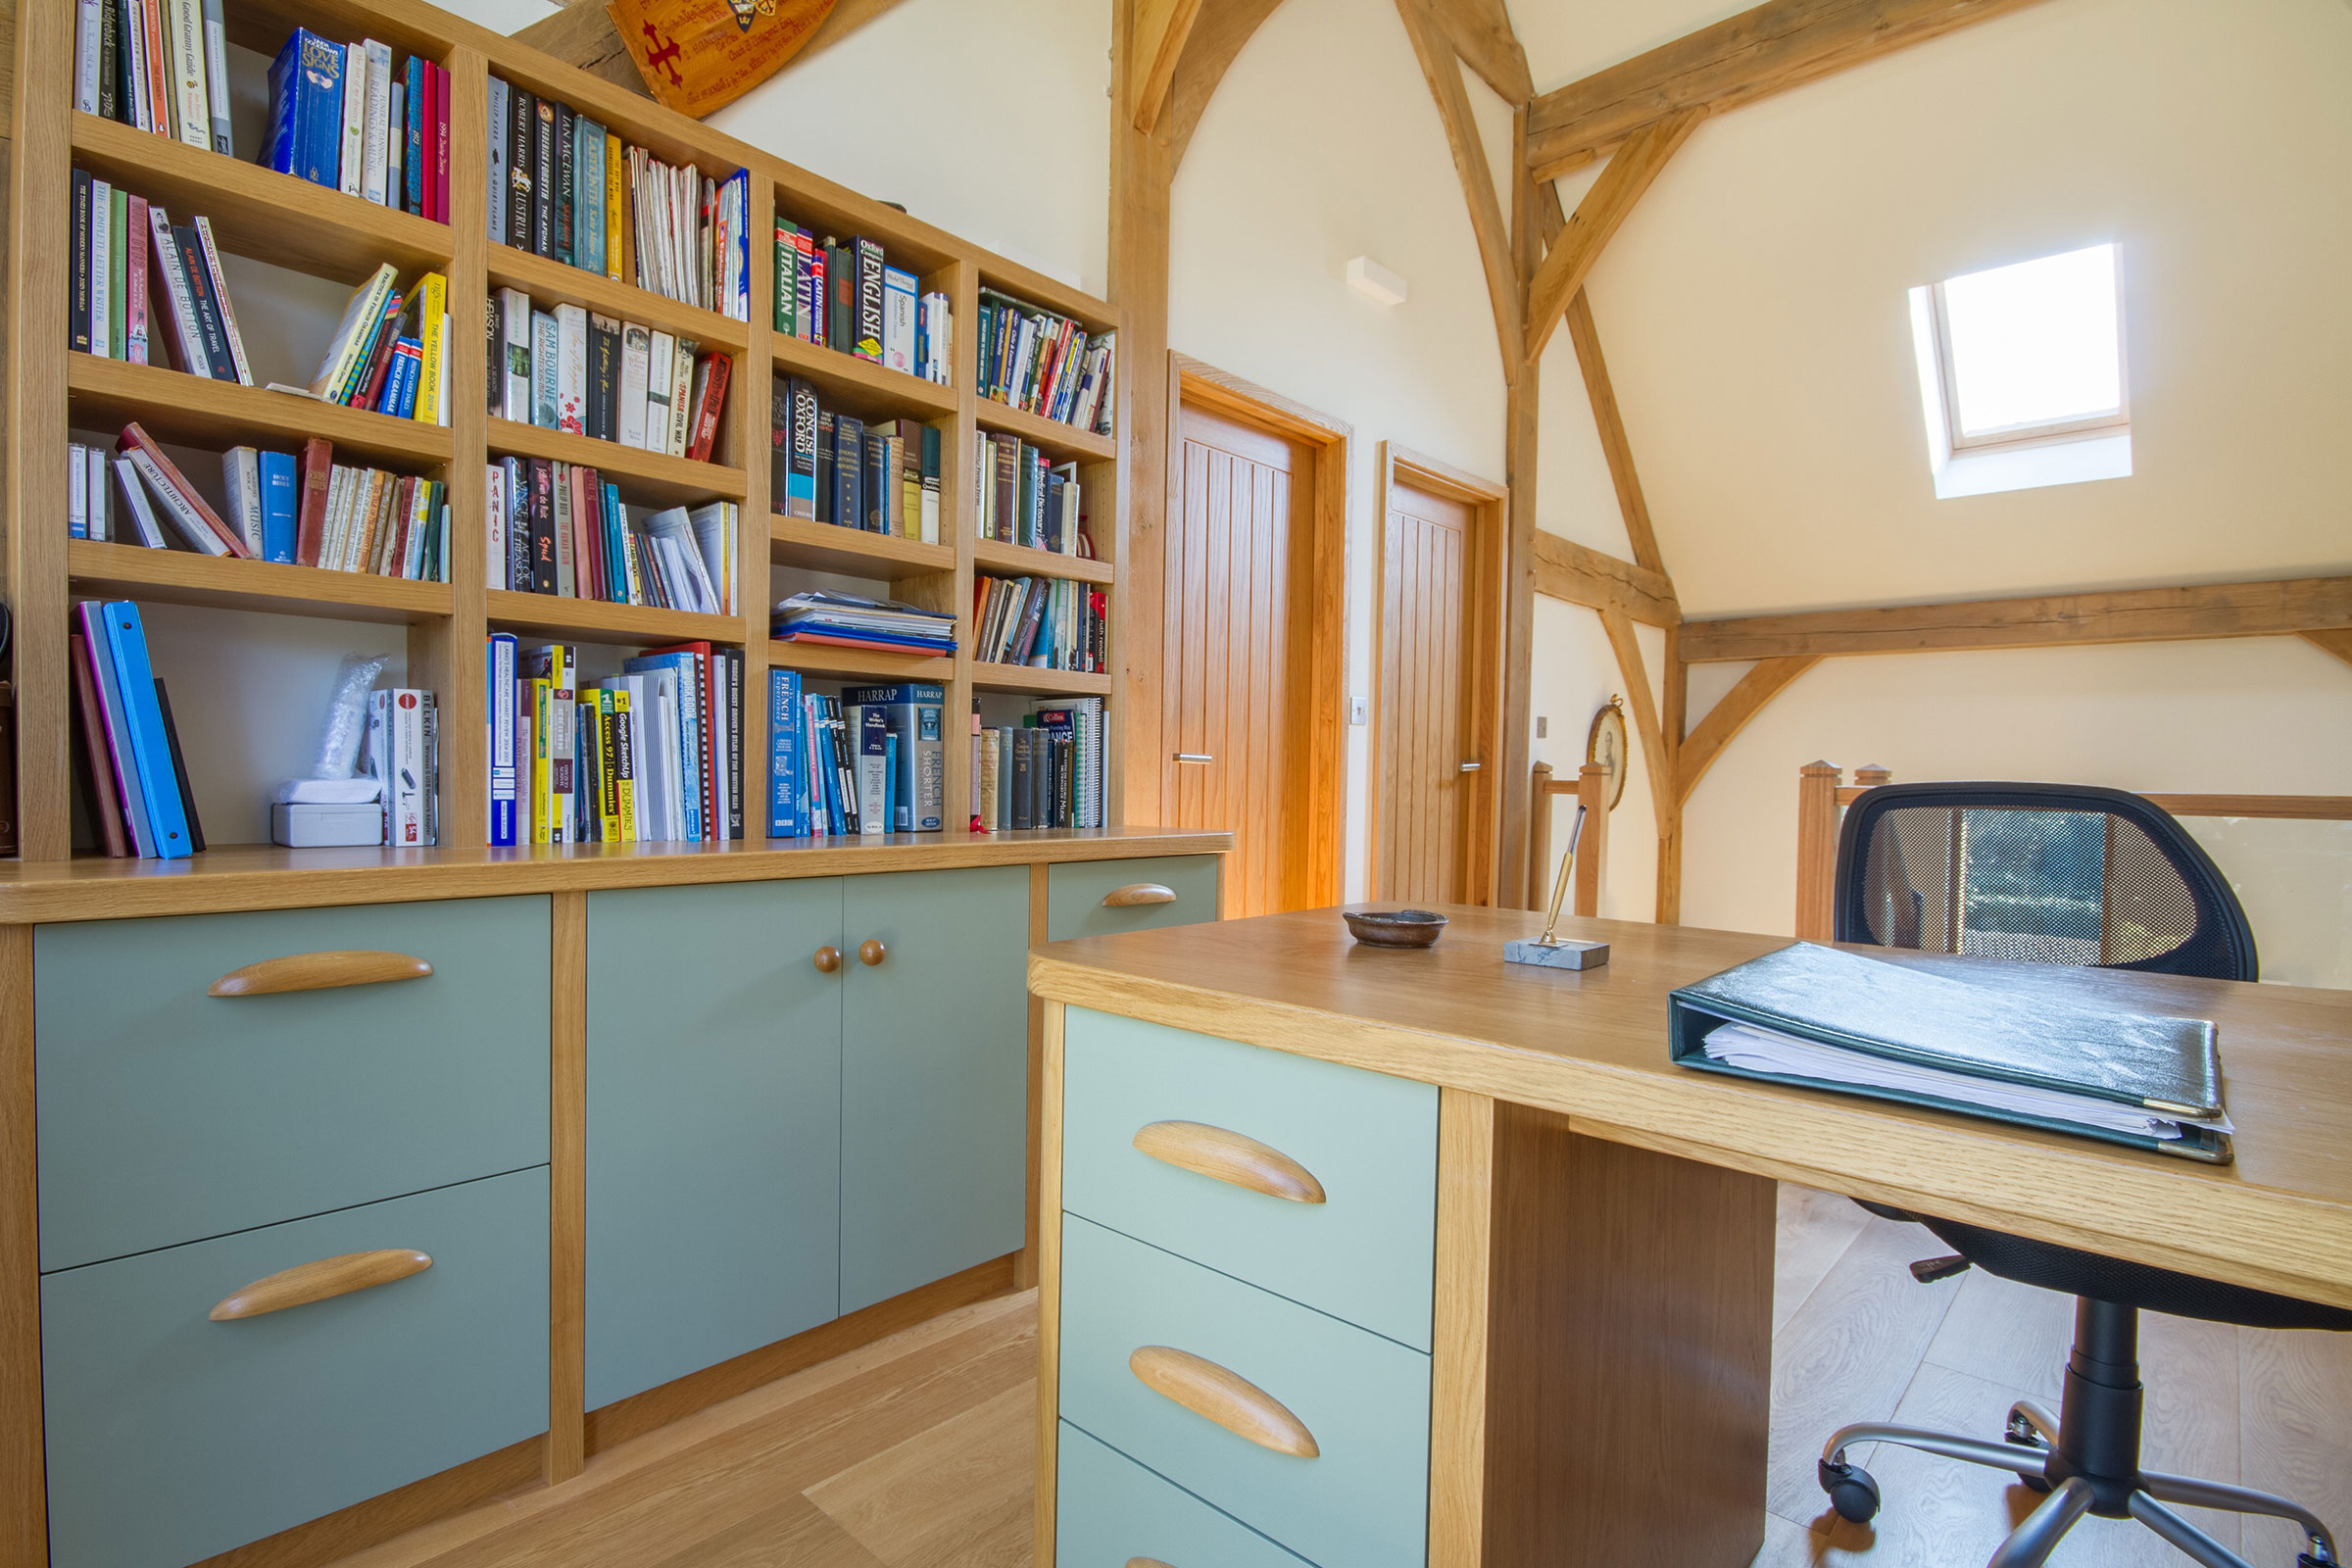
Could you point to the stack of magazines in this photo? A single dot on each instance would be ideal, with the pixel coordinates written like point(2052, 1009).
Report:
point(845, 620)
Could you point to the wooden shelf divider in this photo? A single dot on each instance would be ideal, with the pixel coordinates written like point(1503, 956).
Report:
point(853, 552)
point(104, 395)
point(97, 569)
point(1024, 561)
point(1063, 442)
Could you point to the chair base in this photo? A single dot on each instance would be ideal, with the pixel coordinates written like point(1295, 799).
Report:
point(2040, 1464)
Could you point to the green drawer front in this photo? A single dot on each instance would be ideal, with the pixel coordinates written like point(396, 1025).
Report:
point(1075, 891)
point(1366, 1254)
point(1110, 1510)
point(1363, 1503)
point(172, 1438)
point(168, 1116)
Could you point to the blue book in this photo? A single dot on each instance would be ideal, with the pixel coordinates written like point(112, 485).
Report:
point(848, 467)
point(278, 506)
point(616, 547)
point(412, 170)
point(894, 809)
point(284, 96)
point(505, 776)
point(399, 381)
point(150, 748)
point(318, 82)
point(787, 796)
point(92, 616)
point(588, 203)
point(690, 728)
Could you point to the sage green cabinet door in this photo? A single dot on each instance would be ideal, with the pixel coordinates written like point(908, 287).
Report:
point(172, 1438)
point(1111, 1511)
point(714, 1125)
point(935, 1060)
point(1077, 891)
point(168, 1116)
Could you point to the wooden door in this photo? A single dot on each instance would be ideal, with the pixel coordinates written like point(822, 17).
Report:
point(1435, 754)
point(1234, 653)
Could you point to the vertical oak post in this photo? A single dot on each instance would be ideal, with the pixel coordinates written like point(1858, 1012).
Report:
point(23, 1487)
point(566, 1453)
point(1538, 838)
point(1816, 851)
point(1593, 849)
point(1871, 775)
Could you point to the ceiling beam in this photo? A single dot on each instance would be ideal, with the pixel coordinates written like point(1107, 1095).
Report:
point(1161, 29)
point(1215, 38)
point(1444, 72)
point(1480, 32)
point(2338, 643)
point(1578, 575)
point(582, 35)
point(1779, 45)
point(1599, 391)
point(1597, 219)
point(2283, 609)
point(1729, 717)
point(1663, 803)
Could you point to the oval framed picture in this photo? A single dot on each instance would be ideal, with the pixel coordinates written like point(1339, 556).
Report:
point(1605, 744)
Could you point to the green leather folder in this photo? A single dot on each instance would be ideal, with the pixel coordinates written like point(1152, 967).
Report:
point(1955, 1034)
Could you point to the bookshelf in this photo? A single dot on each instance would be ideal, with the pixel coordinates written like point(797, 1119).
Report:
point(309, 229)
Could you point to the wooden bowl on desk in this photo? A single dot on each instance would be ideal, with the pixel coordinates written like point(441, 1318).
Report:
point(1394, 928)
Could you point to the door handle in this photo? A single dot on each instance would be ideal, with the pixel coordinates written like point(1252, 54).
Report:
point(827, 958)
point(320, 1281)
point(871, 952)
point(1229, 1156)
point(1223, 1395)
point(1194, 757)
point(1470, 768)
point(1138, 893)
point(317, 971)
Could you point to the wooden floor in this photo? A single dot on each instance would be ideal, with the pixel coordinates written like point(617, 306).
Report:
point(915, 1453)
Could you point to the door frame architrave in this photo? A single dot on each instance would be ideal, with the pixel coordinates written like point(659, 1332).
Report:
point(1488, 503)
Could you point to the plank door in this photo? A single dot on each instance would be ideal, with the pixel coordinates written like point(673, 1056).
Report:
point(1433, 781)
point(1232, 666)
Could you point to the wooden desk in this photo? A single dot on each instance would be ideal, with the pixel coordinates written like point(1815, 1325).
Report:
point(1601, 1349)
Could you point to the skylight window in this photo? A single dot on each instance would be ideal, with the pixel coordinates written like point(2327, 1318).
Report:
point(2018, 362)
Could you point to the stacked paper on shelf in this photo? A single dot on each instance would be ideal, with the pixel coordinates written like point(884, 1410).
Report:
point(845, 620)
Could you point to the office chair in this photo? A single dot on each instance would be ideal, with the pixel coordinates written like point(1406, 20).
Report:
point(2055, 874)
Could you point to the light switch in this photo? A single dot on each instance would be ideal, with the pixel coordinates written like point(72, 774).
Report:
point(1359, 711)
point(1543, 726)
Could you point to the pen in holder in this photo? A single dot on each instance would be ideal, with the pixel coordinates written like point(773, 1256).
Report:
point(1548, 951)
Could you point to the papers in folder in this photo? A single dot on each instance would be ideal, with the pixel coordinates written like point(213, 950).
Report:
point(1768, 1050)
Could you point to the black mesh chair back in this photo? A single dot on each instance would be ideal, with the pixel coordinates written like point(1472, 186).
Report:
point(2043, 873)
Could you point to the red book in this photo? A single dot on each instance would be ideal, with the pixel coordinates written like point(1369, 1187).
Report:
point(371, 388)
point(106, 803)
point(134, 292)
point(440, 124)
point(585, 578)
point(133, 436)
point(310, 529)
point(403, 513)
point(707, 406)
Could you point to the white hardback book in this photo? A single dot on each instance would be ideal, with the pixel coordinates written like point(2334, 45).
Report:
point(101, 518)
point(376, 147)
point(636, 356)
point(78, 493)
point(659, 349)
point(572, 368)
point(90, 18)
point(192, 94)
point(216, 77)
point(137, 505)
point(176, 508)
point(241, 475)
point(681, 398)
point(351, 170)
point(494, 526)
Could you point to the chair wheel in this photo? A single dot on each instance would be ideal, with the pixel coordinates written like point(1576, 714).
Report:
point(2024, 1432)
point(1852, 1492)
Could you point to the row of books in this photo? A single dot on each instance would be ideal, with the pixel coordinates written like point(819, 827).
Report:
point(871, 760)
point(135, 779)
point(830, 466)
point(845, 620)
point(1047, 364)
point(158, 65)
point(1046, 771)
point(649, 755)
point(1026, 499)
point(583, 372)
point(563, 187)
point(391, 350)
point(557, 528)
point(116, 236)
point(844, 295)
point(342, 116)
point(1042, 622)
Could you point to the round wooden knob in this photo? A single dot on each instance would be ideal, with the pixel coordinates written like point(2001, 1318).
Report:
point(827, 958)
point(871, 952)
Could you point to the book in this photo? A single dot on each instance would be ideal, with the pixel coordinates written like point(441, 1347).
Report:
point(351, 158)
point(432, 372)
point(636, 359)
point(179, 769)
point(711, 375)
point(500, 663)
point(898, 320)
point(182, 504)
point(912, 713)
point(241, 479)
point(191, 93)
point(150, 748)
point(572, 368)
point(362, 314)
point(96, 772)
point(375, 129)
point(599, 415)
point(216, 289)
point(115, 724)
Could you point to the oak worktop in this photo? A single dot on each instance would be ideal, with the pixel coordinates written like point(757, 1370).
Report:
point(1593, 1044)
point(261, 876)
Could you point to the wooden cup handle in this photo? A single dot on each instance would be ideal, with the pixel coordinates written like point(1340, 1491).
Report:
point(306, 1283)
point(317, 971)
point(1139, 893)
point(827, 958)
point(1145, 1562)
point(1217, 1394)
point(871, 952)
point(1229, 1156)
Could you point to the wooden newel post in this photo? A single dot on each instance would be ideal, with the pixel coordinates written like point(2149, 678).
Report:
point(1538, 838)
point(1871, 775)
point(1816, 851)
point(1592, 849)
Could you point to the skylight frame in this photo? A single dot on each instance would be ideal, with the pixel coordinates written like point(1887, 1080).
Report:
point(2034, 432)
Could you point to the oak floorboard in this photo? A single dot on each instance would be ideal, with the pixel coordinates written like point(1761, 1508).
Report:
point(2295, 1392)
point(955, 1496)
point(1815, 1229)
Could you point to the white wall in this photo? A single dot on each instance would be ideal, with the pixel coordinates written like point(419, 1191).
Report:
point(1753, 311)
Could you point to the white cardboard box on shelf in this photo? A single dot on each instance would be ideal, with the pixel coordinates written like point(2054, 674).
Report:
point(305, 825)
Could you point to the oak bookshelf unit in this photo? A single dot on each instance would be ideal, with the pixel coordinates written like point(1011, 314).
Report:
point(308, 228)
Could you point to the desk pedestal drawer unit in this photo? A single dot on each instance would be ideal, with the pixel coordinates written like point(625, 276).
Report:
point(1115, 1512)
point(174, 1435)
point(1100, 899)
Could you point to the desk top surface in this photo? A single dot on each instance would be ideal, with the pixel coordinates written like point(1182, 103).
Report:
point(1593, 1044)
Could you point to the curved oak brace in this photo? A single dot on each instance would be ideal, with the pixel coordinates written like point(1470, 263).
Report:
point(1730, 715)
point(1136, 894)
point(1229, 1156)
point(1223, 1396)
point(318, 1281)
point(317, 971)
